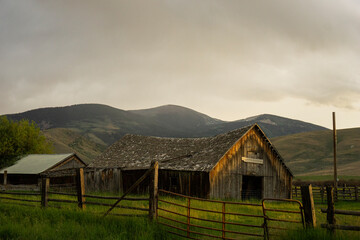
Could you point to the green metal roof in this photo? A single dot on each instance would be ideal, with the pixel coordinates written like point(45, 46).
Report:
point(36, 163)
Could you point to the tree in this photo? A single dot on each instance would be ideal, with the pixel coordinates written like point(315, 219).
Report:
point(20, 138)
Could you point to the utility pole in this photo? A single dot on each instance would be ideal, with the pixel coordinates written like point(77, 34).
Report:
point(335, 143)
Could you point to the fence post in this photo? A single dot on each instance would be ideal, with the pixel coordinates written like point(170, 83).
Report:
point(330, 216)
point(5, 179)
point(322, 193)
point(153, 189)
point(188, 218)
point(309, 207)
point(45, 182)
point(80, 187)
point(223, 220)
point(356, 193)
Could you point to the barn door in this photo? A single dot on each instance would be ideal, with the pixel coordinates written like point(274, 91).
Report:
point(252, 187)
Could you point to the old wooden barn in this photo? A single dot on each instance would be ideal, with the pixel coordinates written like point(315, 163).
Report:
point(28, 170)
point(239, 164)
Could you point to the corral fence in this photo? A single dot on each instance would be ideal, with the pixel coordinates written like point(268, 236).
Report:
point(184, 216)
point(197, 218)
point(46, 194)
point(331, 224)
point(343, 193)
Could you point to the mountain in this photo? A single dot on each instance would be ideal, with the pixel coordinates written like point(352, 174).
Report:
point(107, 124)
point(67, 141)
point(311, 153)
point(98, 126)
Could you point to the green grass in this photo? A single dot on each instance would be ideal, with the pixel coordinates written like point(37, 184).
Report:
point(22, 222)
point(311, 153)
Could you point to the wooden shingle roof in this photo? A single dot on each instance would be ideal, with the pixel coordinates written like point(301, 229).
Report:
point(190, 154)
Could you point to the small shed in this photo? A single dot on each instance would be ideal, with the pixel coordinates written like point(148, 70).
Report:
point(29, 169)
point(240, 164)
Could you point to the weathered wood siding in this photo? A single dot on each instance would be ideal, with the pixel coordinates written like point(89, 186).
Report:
point(108, 180)
point(114, 180)
point(193, 183)
point(226, 177)
point(73, 162)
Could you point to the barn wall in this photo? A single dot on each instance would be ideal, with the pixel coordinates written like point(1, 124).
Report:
point(108, 180)
point(115, 180)
point(74, 162)
point(226, 179)
point(193, 183)
point(17, 179)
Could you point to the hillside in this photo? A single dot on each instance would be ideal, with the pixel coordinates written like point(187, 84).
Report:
point(311, 153)
point(105, 125)
point(67, 141)
point(88, 129)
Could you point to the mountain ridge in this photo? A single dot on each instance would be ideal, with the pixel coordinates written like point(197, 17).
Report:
point(162, 121)
point(95, 126)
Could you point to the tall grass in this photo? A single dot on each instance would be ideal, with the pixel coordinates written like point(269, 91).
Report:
point(22, 222)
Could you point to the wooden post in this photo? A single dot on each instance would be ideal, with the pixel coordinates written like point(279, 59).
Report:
point(331, 208)
point(223, 220)
point(45, 182)
point(322, 193)
point(296, 191)
point(356, 193)
point(153, 189)
point(309, 207)
point(5, 179)
point(188, 218)
point(80, 187)
point(334, 146)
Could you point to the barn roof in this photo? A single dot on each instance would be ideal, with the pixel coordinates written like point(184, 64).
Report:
point(36, 163)
point(190, 154)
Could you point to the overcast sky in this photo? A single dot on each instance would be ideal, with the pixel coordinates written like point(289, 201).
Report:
point(227, 59)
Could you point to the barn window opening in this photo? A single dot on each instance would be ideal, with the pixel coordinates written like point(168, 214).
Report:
point(174, 183)
point(252, 187)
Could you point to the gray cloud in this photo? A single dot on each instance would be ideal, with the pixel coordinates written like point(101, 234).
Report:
point(131, 53)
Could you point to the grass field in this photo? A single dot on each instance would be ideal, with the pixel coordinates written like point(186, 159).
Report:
point(23, 222)
point(311, 153)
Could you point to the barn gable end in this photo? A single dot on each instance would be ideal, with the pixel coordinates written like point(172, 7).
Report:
point(252, 167)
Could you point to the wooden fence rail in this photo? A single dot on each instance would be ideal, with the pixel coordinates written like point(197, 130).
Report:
point(189, 229)
point(45, 195)
point(331, 211)
point(187, 224)
point(344, 193)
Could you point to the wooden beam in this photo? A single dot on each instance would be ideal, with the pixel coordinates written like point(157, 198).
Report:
point(309, 207)
point(334, 146)
point(80, 187)
point(5, 179)
point(45, 182)
point(330, 216)
point(153, 189)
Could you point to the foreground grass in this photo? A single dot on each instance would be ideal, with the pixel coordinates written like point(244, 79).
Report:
point(22, 222)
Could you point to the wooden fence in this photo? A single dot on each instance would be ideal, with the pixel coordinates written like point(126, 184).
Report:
point(231, 220)
point(46, 193)
point(195, 221)
point(331, 211)
point(343, 193)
